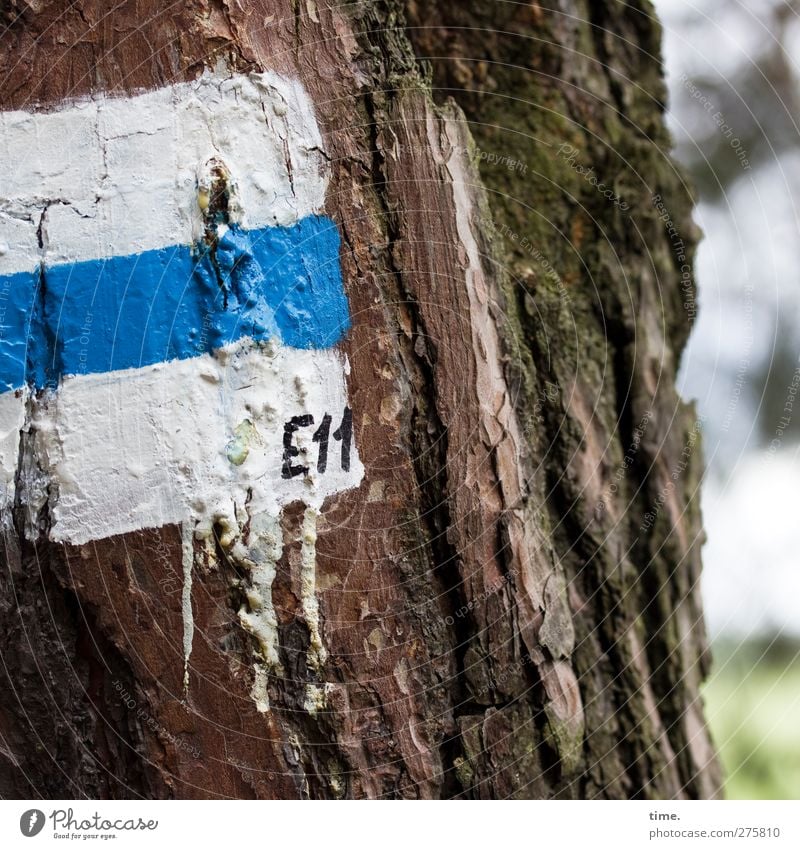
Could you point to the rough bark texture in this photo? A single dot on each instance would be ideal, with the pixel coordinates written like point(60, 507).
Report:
point(497, 622)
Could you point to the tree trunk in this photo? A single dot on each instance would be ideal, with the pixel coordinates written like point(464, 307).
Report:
point(506, 604)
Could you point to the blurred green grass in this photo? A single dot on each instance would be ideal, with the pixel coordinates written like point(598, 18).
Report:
point(753, 707)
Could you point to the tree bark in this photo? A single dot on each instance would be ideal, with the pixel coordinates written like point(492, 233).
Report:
point(509, 601)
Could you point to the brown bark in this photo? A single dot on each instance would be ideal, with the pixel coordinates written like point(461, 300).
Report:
point(497, 623)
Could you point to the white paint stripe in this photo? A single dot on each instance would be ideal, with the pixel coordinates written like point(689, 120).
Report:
point(147, 447)
point(119, 175)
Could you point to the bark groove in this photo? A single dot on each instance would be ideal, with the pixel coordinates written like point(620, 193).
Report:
point(498, 621)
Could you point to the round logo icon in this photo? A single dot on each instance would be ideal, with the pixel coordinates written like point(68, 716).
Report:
point(31, 822)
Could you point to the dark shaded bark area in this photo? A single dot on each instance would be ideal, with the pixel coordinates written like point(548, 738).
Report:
point(498, 620)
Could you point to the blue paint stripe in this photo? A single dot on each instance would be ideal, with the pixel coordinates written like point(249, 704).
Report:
point(173, 303)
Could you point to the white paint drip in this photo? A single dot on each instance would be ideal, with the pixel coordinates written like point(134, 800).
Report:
point(258, 550)
point(258, 692)
point(259, 554)
point(317, 654)
point(316, 698)
point(187, 544)
point(264, 548)
point(12, 420)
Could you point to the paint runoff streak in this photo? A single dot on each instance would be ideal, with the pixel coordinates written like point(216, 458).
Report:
point(187, 545)
point(260, 557)
point(317, 654)
point(12, 420)
point(258, 692)
point(316, 697)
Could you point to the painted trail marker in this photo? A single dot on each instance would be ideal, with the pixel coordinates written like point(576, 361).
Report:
point(170, 302)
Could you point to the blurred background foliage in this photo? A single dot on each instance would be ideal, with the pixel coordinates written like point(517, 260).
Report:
point(733, 69)
point(751, 703)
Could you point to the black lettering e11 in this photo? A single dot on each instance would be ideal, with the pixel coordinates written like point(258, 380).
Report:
point(322, 435)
